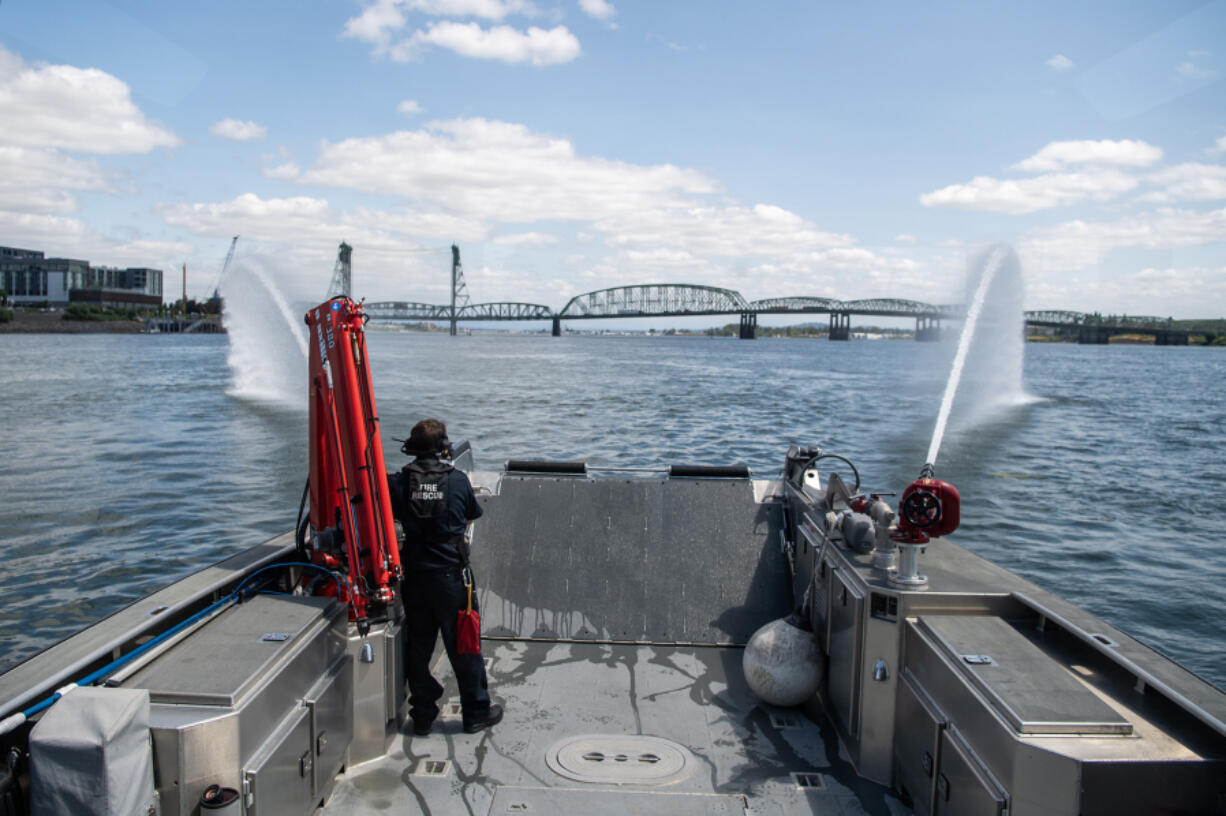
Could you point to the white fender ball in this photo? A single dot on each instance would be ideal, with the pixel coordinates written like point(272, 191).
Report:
point(782, 664)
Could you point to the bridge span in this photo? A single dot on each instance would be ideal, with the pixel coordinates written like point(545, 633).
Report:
point(688, 300)
point(677, 300)
point(692, 300)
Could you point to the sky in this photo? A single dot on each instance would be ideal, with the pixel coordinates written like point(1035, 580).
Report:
point(847, 150)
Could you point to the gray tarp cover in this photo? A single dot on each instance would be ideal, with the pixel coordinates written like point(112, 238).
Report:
point(90, 754)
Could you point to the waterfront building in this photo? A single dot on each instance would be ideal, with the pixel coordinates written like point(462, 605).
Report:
point(31, 278)
point(120, 288)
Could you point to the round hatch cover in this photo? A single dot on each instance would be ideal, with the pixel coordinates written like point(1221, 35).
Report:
point(617, 759)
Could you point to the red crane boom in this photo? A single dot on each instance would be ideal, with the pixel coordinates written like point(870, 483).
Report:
point(351, 511)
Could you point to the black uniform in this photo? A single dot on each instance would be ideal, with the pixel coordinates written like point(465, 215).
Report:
point(434, 503)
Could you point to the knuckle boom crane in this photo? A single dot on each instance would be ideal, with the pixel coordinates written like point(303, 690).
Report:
point(352, 532)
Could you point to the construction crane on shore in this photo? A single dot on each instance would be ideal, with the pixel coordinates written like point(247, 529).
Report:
point(224, 266)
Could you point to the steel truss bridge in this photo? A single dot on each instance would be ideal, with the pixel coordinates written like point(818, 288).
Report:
point(681, 299)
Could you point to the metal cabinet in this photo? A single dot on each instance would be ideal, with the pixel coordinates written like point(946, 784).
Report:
point(279, 778)
point(963, 785)
point(846, 637)
point(331, 724)
point(917, 743)
point(295, 767)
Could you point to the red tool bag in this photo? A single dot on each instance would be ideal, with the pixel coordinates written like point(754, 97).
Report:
point(468, 625)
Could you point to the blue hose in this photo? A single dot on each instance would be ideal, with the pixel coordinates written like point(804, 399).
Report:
point(10, 723)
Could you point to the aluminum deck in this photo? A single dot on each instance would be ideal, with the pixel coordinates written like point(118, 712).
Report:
point(737, 755)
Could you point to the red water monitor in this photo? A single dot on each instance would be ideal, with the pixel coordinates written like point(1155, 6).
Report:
point(929, 508)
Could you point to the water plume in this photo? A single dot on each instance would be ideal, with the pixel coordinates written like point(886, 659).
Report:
point(987, 365)
point(268, 339)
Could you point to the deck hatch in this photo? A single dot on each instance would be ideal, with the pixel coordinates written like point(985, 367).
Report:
point(1032, 692)
point(611, 759)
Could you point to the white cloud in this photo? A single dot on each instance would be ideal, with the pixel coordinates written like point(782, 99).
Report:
point(72, 239)
point(1123, 153)
point(1219, 146)
point(303, 219)
point(239, 131)
point(1189, 181)
point(287, 171)
point(599, 9)
point(1059, 62)
point(527, 239)
point(1018, 196)
point(1076, 245)
point(1076, 171)
point(409, 107)
point(501, 43)
point(382, 20)
point(36, 180)
point(904, 238)
point(731, 232)
point(81, 110)
point(500, 171)
point(1192, 67)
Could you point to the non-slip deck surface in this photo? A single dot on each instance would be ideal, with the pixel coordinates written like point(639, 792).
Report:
point(638, 560)
point(743, 756)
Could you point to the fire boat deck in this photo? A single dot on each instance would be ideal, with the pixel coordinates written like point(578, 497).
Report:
point(740, 756)
point(615, 612)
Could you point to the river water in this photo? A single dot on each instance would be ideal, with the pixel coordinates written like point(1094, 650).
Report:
point(130, 461)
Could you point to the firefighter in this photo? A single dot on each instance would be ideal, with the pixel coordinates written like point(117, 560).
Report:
point(434, 503)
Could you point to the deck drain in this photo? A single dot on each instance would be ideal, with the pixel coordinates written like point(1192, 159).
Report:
point(433, 767)
point(611, 759)
point(453, 710)
point(809, 781)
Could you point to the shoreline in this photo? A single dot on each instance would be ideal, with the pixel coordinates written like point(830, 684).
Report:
point(24, 322)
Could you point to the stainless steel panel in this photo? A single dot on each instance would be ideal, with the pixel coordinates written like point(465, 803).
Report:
point(963, 785)
point(331, 705)
point(846, 637)
point(378, 690)
point(917, 744)
point(278, 778)
point(232, 654)
point(1032, 692)
point(203, 744)
point(394, 648)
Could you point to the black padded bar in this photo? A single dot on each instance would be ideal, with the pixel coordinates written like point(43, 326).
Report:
point(709, 471)
point(545, 466)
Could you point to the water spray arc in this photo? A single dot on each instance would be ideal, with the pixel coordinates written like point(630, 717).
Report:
point(964, 344)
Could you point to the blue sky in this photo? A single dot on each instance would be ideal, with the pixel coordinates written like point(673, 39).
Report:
point(831, 149)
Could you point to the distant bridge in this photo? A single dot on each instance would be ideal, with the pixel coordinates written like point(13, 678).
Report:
point(677, 300)
point(689, 300)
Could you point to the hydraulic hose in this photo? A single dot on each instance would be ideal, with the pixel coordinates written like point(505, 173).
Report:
point(14, 721)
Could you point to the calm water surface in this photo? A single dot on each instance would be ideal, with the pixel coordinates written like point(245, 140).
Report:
point(128, 461)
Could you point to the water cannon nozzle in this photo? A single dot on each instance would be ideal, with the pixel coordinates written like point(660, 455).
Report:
point(928, 471)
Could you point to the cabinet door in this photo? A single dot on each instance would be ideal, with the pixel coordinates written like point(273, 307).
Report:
point(917, 743)
point(279, 776)
point(846, 635)
point(964, 786)
point(331, 723)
